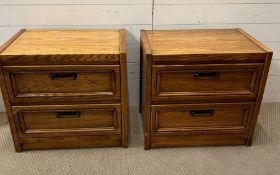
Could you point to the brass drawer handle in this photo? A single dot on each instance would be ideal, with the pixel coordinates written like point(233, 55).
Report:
point(60, 76)
point(68, 114)
point(208, 112)
point(206, 75)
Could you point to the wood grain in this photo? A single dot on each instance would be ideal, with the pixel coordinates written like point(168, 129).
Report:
point(186, 82)
point(36, 81)
point(66, 42)
point(6, 97)
point(43, 121)
point(63, 45)
point(77, 59)
point(201, 118)
point(146, 77)
point(200, 41)
point(70, 142)
point(123, 71)
point(67, 88)
point(254, 40)
point(227, 58)
point(207, 86)
point(259, 99)
point(197, 140)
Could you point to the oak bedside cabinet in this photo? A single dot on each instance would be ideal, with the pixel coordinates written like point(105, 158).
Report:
point(65, 88)
point(201, 87)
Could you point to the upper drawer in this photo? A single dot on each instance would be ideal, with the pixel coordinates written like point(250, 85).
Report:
point(209, 81)
point(36, 83)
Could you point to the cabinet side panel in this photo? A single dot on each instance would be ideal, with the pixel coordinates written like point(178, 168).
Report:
point(145, 94)
point(147, 101)
point(259, 98)
point(9, 111)
point(5, 94)
point(123, 88)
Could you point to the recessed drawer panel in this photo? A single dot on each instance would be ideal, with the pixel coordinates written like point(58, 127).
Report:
point(63, 81)
point(67, 119)
point(188, 82)
point(229, 117)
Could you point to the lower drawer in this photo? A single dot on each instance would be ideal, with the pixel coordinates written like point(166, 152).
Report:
point(63, 120)
point(189, 118)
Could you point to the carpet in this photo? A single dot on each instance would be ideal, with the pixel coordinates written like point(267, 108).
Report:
point(262, 158)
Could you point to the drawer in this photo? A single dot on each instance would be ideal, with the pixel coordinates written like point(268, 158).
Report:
point(189, 118)
point(60, 120)
point(26, 83)
point(209, 81)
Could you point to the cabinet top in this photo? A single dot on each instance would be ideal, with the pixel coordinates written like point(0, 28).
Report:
point(200, 41)
point(64, 42)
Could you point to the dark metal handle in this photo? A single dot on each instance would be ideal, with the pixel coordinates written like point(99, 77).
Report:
point(208, 112)
point(206, 75)
point(59, 76)
point(68, 114)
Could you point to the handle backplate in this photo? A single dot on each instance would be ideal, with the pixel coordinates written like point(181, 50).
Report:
point(206, 75)
point(63, 76)
point(68, 114)
point(207, 112)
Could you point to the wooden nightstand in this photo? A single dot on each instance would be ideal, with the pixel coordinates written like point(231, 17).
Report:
point(65, 88)
point(201, 87)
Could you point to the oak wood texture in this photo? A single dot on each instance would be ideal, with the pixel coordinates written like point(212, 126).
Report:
point(197, 140)
point(215, 81)
point(6, 96)
point(67, 120)
point(145, 84)
point(66, 88)
point(201, 118)
point(201, 87)
point(63, 81)
point(41, 42)
point(205, 41)
point(63, 46)
point(82, 141)
point(124, 106)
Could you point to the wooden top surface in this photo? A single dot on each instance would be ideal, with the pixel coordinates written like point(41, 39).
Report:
point(71, 42)
point(206, 41)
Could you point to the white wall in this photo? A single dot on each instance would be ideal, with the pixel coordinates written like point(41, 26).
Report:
point(132, 15)
point(261, 18)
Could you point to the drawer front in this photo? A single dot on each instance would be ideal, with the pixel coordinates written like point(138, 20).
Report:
point(67, 120)
point(63, 81)
point(176, 82)
point(172, 119)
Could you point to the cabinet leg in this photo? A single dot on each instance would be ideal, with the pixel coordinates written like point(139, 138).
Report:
point(146, 142)
point(18, 148)
point(249, 142)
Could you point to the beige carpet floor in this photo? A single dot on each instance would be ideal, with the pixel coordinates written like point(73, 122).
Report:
point(262, 158)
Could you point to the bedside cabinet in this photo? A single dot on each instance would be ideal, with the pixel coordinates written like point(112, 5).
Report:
point(65, 88)
point(201, 87)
